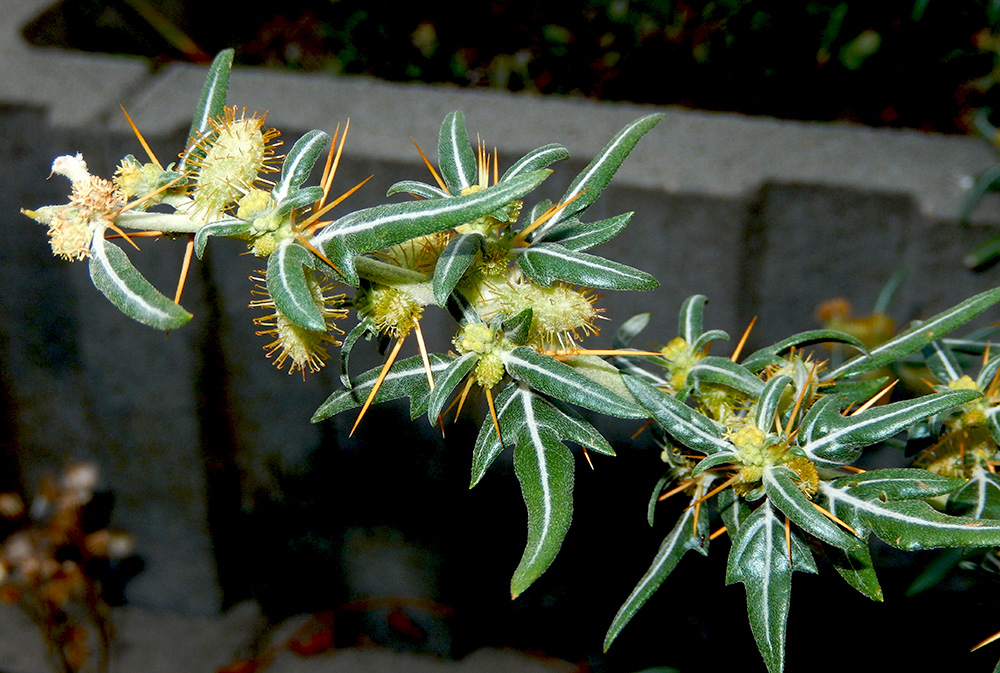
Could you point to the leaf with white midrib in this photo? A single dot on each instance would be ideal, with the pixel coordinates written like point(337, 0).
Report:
point(455, 260)
point(759, 559)
point(917, 336)
point(786, 496)
point(979, 497)
point(912, 524)
point(723, 370)
point(113, 274)
point(211, 102)
point(288, 285)
point(406, 378)
point(546, 263)
point(845, 436)
point(455, 157)
point(544, 468)
point(679, 541)
point(551, 377)
point(683, 423)
point(299, 162)
point(588, 185)
point(383, 226)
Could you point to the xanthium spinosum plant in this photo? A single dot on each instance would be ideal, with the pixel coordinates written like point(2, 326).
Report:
point(763, 443)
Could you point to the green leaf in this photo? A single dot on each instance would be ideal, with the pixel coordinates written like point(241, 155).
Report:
point(288, 285)
point(546, 263)
point(211, 103)
point(299, 162)
point(757, 360)
point(911, 524)
point(714, 460)
point(830, 439)
point(691, 318)
point(406, 378)
point(386, 225)
point(855, 566)
point(979, 497)
point(759, 558)
point(421, 190)
point(455, 157)
point(573, 234)
point(446, 383)
point(902, 483)
point(544, 467)
point(683, 423)
point(722, 370)
point(683, 538)
point(551, 377)
point(917, 336)
point(231, 227)
point(588, 185)
point(780, 487)
point(536, 159)
point(767, 403)
point(113, 274)
point(454, 261)
point(488, 445)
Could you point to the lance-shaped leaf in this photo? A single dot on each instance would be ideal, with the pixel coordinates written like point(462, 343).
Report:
point(455, 260)
point(691, 318)
point(767, 403)
point(917, 336)
point(683, 423)
point(113, 274)
point(289, 285)
point(830, 439)
point(588, 185)
point(544, 467)
point(723, 370)
point(683, 538)
point(714, 460)
point(757, 360)
point(299, 162)
point(573, 234)
point(455, 157)
point(551, 377)
point(406, 378)
point(979, 497)
point(911, 524)
point(856, 567)
point(759, 558)
point(211, 103)
point(421, 190)
point(903, 483)
point(488, 444)
point(779, 485)
point(231, 227)
point(386, 225)
point(446, 383)
point(536, 159)
point(546, 263)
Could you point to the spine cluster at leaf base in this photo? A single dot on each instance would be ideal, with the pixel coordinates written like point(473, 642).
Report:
point(761, 446)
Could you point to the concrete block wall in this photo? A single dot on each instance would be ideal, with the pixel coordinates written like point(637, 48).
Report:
point(766, 217)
